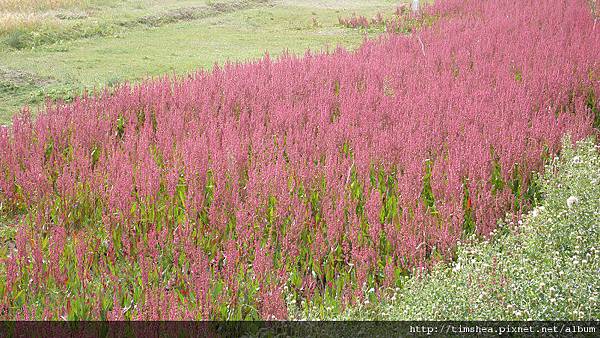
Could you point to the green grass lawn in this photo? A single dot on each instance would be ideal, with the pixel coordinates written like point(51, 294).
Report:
point(131, 40)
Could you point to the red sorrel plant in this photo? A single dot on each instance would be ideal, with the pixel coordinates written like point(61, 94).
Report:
point(237, 192)
point(355, 22)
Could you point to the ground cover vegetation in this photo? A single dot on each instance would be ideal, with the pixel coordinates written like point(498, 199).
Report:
point(543, 268)
point(403, 20)
point(58, 51)
point(34, 24)
point(255, 189)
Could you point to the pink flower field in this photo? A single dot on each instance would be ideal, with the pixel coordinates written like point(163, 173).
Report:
point(315, 180)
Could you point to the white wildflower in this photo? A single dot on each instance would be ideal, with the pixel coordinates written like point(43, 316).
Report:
point(572, 201)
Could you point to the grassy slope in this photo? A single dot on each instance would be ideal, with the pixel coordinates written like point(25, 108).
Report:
point(131, 53)
point(545, 269)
